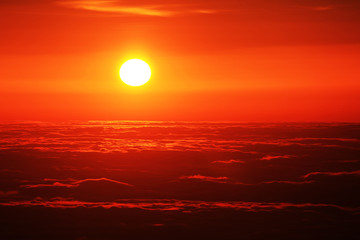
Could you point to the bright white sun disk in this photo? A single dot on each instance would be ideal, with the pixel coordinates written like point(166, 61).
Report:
point(135, 72)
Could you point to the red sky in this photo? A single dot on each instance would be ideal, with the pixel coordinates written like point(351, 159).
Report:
point(230, 60)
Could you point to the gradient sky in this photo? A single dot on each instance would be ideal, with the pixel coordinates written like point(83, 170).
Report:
point(248, 60)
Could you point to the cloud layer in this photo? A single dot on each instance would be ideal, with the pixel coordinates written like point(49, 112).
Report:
point(112, 6)
point(166, 176)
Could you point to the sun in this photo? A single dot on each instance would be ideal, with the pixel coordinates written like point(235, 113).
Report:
point(135, 72)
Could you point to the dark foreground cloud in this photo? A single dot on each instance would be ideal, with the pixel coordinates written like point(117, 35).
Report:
point(173, 219)
point(163, 180)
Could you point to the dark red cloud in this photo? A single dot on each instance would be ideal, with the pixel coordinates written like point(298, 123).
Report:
point(91, 189)
point(4, 194)
point(206, 178)
point(269, 157)
point(76, 183)
point(172, 205)
point(229, 181)
point(228, 161)
point(343, 173)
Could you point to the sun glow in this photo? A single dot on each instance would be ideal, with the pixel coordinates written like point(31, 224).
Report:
point(135, 72)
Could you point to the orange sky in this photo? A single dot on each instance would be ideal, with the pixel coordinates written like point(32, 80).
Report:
point(251, 60)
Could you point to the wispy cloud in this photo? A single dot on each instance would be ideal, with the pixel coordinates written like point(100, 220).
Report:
point(285, 182)
point(206, 178)
point(229, 181)
point(268, 158)
point(74, 183)
point(113, 6)
point(332, 173)
point(228, 161)
point(322, 8)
